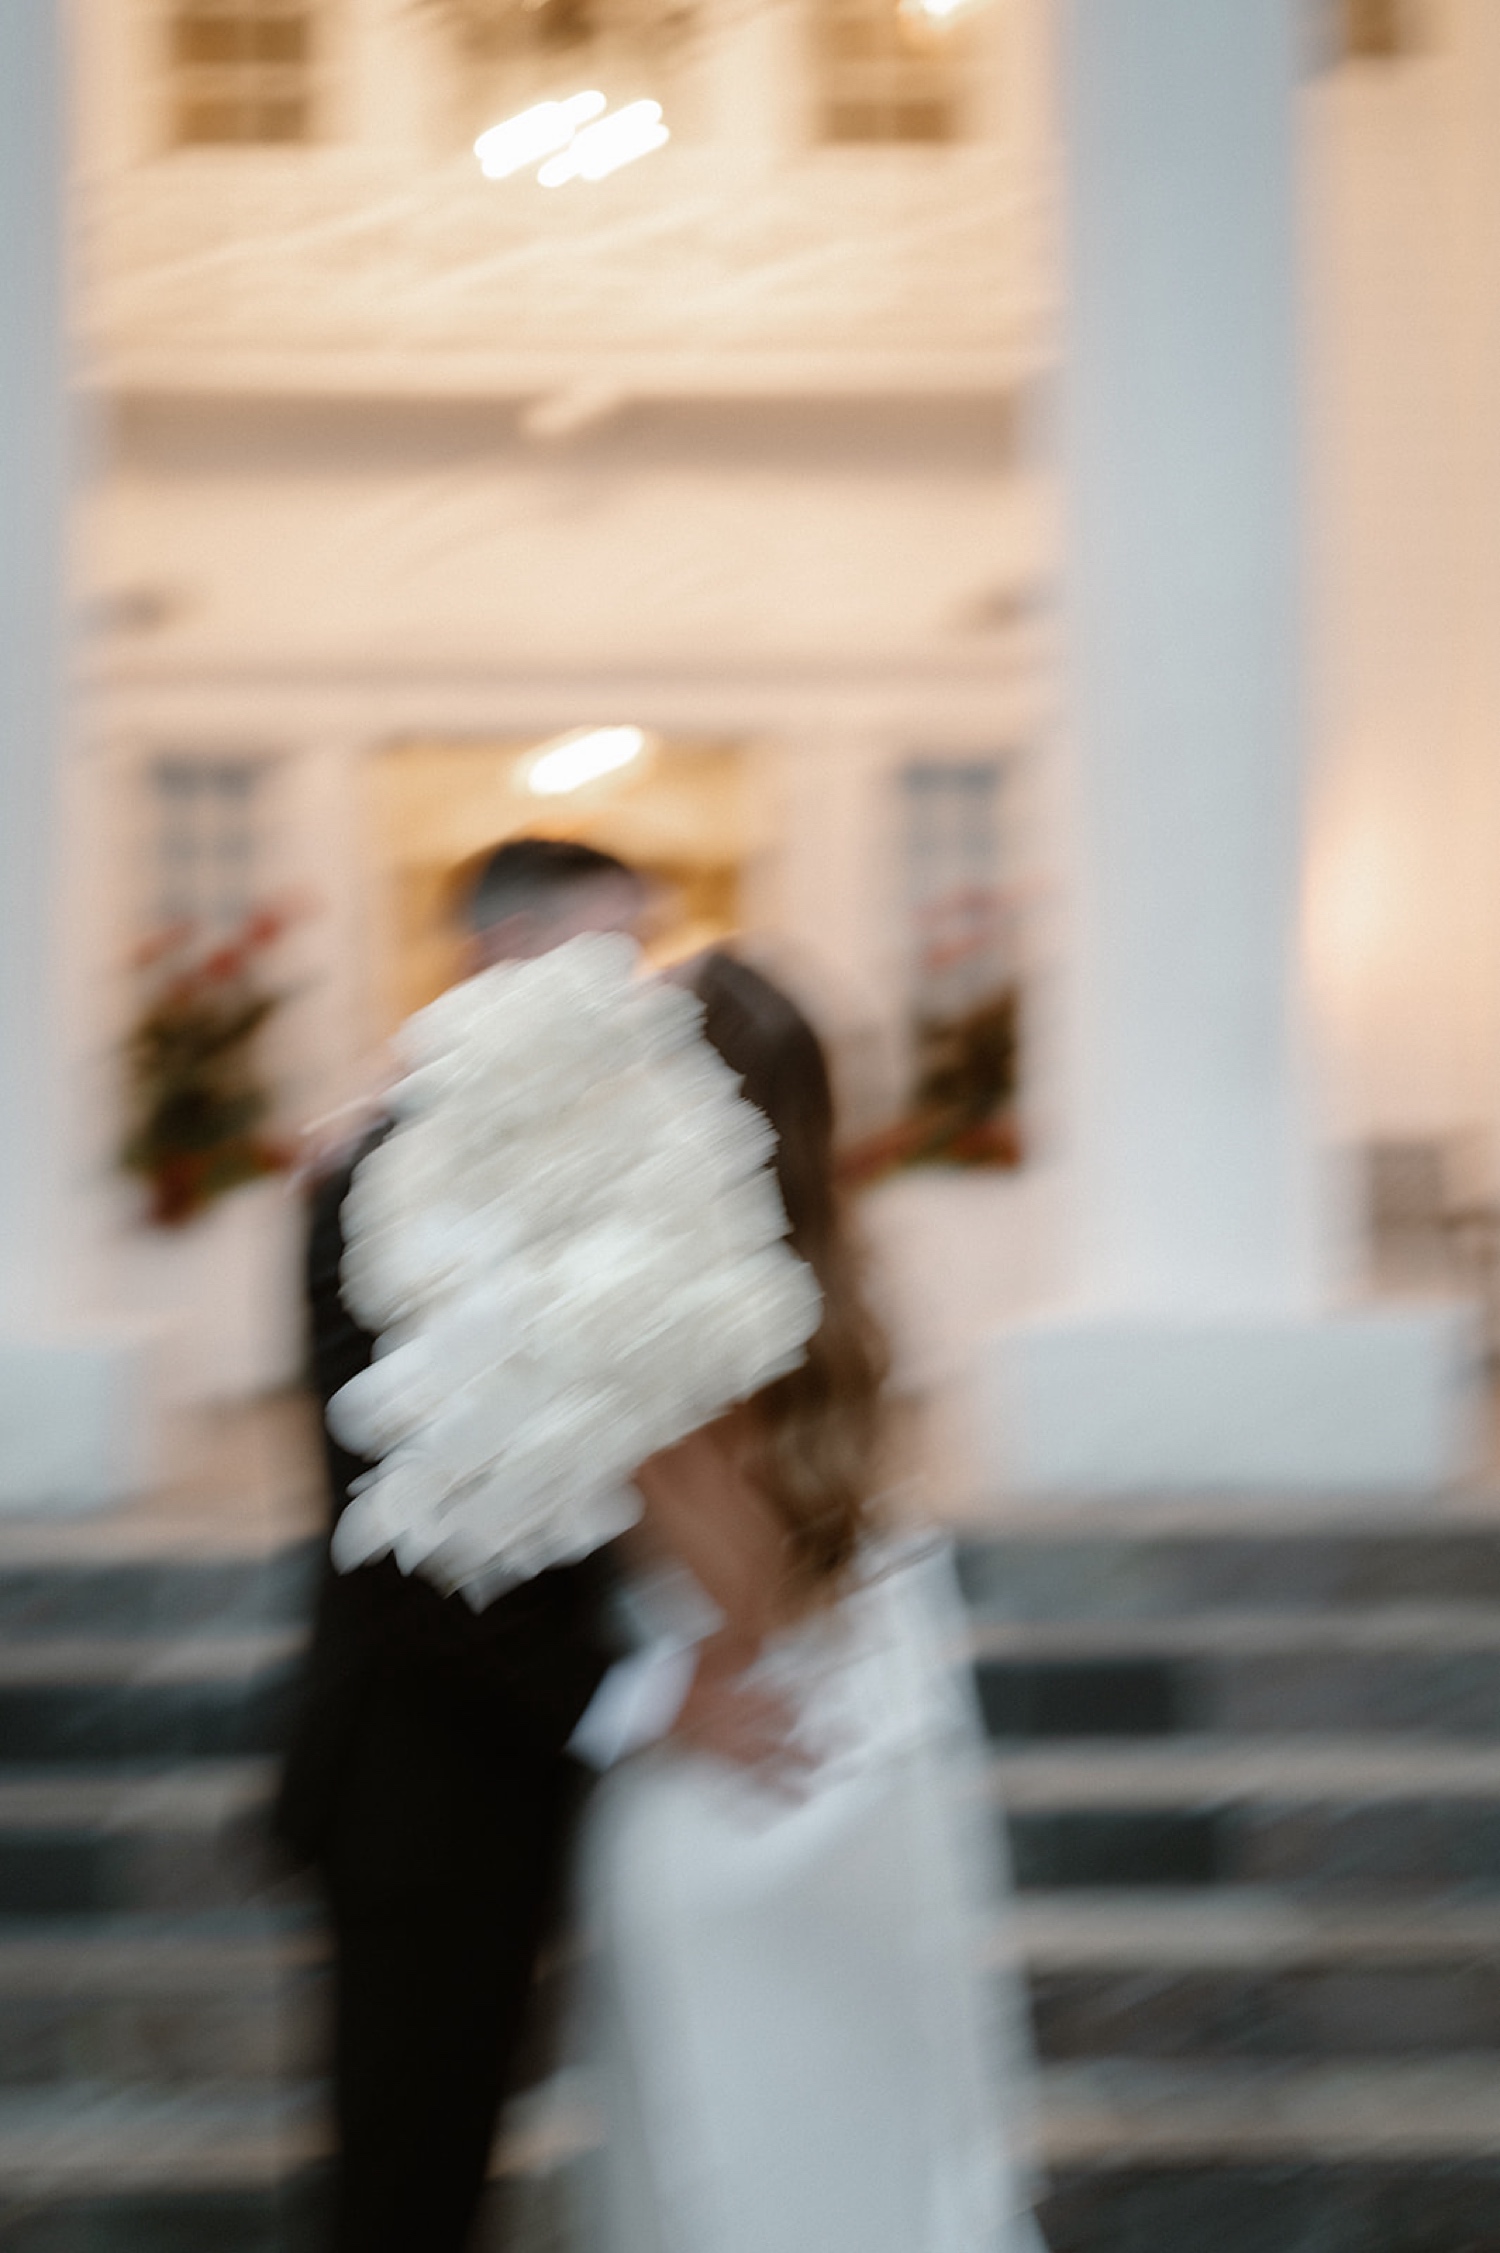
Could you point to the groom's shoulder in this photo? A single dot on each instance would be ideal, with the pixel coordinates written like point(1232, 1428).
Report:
point(326, 1190)
point(329, 1182)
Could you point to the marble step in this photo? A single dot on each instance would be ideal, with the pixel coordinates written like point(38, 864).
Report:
point(1143, 1561)
point(1325, 2159)
point(186, 1838)
point(1328, 2159)
point(202, 1696)
point(215, 2000)
point(1138, 1560)
point(1406, 1669)
point(243, 1997)
point(1414, 1670)
point(1315, 2114)
point(158, 1594)
point(1268, 2206)
point(89, 2169)
point(1331, 1812)
point(1259, 1976)
point(1305, 1811)
point(1382, 2159)
point(171, 2002)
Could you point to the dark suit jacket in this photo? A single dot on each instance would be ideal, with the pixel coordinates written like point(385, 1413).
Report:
point(425, 1728)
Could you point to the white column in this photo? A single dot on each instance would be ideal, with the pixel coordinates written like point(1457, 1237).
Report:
point(1197, 1351)
point(1185, 659)
point(392, 73)
point(32, 472)
point(751, 74)
point(69, 1403)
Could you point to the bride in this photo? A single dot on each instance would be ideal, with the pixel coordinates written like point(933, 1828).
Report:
point(797, 2045)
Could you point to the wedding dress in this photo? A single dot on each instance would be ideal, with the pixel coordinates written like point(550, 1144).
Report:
point(800, 2040)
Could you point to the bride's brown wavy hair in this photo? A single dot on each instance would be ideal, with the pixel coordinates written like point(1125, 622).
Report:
point(817, 1429)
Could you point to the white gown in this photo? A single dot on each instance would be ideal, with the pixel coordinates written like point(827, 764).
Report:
point(800, 2042)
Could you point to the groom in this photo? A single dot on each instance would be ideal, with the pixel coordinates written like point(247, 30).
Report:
point(430, 1776)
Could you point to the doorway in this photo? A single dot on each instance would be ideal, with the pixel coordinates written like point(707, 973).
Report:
point(689, 814)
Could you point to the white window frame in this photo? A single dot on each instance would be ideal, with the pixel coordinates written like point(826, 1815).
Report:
point(256, 87)
point(208, 837)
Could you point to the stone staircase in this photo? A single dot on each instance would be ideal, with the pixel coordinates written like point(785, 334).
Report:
point(1252, 1773)
point(160, 1984)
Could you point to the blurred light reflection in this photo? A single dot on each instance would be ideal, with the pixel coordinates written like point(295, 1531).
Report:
point(535, 133)
point(603, 148)
point(579, 759)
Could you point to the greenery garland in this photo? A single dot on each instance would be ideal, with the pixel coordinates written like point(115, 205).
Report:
point(197, 1102)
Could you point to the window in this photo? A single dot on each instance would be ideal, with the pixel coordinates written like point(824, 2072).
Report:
point(885, 74)
point(241, 71)
point(1378, 30)
point(1365, 31)
point(953, 878)
point(965, 964)
point(206, 840)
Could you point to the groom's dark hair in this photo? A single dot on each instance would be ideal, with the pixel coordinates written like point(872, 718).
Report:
point(527, 873)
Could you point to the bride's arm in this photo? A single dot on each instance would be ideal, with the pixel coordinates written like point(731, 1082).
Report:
point(701, 1504)
point(702, 1507)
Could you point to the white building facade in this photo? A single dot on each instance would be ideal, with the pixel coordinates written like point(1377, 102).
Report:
point(756, 443)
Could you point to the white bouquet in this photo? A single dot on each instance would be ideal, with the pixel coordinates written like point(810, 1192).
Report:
point(573, 1250)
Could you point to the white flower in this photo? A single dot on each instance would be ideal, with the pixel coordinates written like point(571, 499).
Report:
point(573, 1248)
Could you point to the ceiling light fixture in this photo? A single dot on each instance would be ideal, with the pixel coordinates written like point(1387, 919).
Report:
point(935, 12)
point(535, 133)
point(583, 757)
point(600, 149)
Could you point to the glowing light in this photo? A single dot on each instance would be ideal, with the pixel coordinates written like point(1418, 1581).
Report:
point(936, 11)
point(532, 134)
point(577, 759)
point(602, 148)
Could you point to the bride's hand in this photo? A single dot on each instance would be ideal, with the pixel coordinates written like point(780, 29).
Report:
point(740, 1721)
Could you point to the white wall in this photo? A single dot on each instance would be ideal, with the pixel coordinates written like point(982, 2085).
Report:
point(1403, 200)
